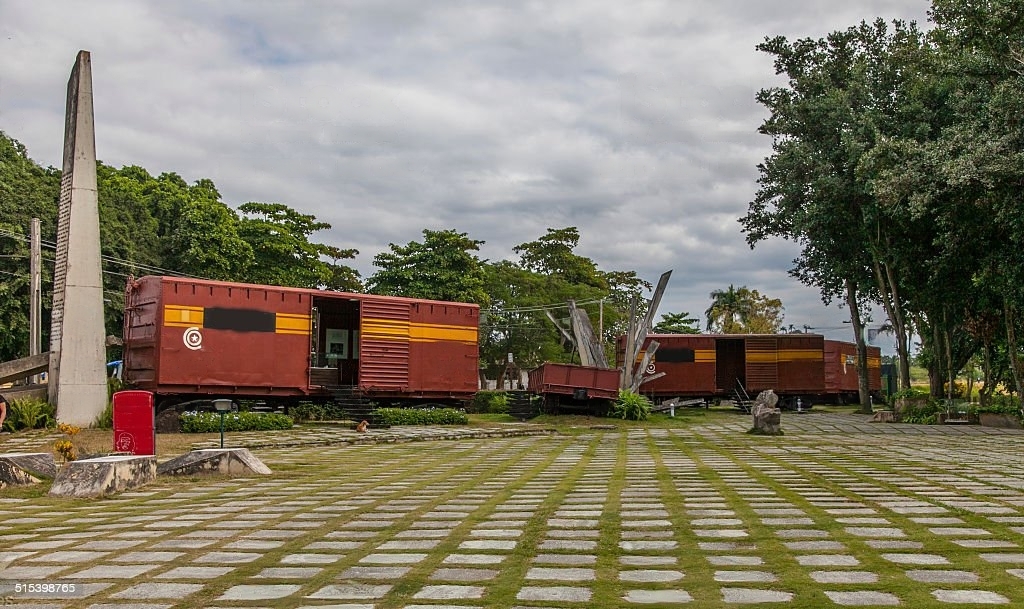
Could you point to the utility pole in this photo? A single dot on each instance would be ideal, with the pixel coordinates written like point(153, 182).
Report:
point(35, 314)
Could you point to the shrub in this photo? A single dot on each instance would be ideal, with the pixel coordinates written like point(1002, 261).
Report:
point(490, 401)
point(631, 406)
point(29, 414)
point(1002, 404)
point(208, 422)
point(419, 416)
point(317, 411)
point(924, 413)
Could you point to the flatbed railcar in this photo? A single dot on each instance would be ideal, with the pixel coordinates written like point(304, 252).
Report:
point(574, 388)
point(802, 367)
point(192, 339)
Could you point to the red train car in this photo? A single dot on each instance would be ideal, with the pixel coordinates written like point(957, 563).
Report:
point(795, 366)
point(841, 378)
point(570, 386)
point(196, 339)
point(717, 365)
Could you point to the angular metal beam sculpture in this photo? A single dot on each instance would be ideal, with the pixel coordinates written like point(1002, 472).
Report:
point(77, 378)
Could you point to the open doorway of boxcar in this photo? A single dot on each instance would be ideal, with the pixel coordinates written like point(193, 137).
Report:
point(334, 344)
point(730, 364)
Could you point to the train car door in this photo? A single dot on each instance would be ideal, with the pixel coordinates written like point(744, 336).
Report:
point(730, 364)
point(334, 343)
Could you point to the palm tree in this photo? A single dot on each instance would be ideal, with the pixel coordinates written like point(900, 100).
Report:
point(729, 309)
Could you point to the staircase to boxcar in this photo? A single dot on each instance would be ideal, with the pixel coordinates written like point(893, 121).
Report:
point(354, 406)
point(521, 404)
point(740, 398)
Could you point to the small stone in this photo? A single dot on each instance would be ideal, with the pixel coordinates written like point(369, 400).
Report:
point(751, 596)
point(862, 598)
point(567, 594)
point(976, 597)
point(667, 597)
point(258, 592)
point(943, 577)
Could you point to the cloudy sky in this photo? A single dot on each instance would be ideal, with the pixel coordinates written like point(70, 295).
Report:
point(633, 121)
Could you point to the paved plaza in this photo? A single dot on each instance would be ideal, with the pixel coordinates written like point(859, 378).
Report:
point(837, 513)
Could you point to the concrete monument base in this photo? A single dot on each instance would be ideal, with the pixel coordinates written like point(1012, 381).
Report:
point(26, 468)
point(103, 476)
point(227, 461)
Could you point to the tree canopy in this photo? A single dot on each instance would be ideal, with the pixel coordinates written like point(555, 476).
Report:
point(896, 165)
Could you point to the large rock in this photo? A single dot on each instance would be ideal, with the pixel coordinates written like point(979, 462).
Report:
point(767, 418)
point(103, 476)
point(227, 461)
point(26, 468)
point(168, 421)
point(884, 416)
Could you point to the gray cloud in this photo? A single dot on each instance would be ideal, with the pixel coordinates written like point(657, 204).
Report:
point(634, 121)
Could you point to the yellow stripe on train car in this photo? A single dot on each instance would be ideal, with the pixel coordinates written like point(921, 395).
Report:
point(792, 354)
point(387, 329)
point(292, 323)
point(181, 316)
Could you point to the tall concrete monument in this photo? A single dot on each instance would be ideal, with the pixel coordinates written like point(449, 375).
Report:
point(77, 377)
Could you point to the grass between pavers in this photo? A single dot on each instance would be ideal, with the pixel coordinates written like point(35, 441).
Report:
point(439, 463)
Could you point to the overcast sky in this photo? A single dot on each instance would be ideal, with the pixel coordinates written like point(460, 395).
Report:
point(633, 121)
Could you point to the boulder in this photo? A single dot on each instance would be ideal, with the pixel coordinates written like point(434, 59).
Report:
point(767, 418)
point(226, 461)
point(168, 421)
point(26, 468)
point(884, 416)
point(103, 476)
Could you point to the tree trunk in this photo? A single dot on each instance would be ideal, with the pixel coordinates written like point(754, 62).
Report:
point(890, 302)
point(950, 372)
point(863, 382)
point(1016, 365)
point(902, 335)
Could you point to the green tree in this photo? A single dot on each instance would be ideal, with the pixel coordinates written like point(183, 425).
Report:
point(283, 253)
point(743, 311)
point(553, 255)
point(26, 191)
point(442, 267)
point(677, 323)
point(729, 310)
point(848, 94)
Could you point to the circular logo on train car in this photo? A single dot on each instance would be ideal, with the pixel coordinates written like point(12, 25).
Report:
point(193, 338)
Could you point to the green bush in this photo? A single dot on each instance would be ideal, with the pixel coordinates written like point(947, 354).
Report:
point(29, 414)
point(207, 422)
point(419, 416)
point(631, 406)
point(926, 413)
point(489, 401)
point(1002, 404)
point(316, 411)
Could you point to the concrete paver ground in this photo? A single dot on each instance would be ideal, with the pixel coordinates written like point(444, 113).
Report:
point(838, 512)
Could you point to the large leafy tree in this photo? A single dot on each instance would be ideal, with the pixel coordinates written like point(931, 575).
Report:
point(26, 191)
point(284, 255)
point(677, 323)
point(743, 311)
point(843, 99)
point(441, 267)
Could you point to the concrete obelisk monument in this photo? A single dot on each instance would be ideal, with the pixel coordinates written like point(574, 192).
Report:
point(77, 377)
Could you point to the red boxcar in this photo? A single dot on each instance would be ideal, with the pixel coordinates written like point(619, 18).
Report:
point(841, 379)
point(717, 365)
point(580, 382)
point(191, 339)
point(574, 388)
